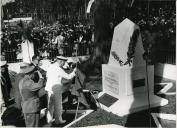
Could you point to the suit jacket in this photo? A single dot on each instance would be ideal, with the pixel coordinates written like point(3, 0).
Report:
point(16, 89)
point(28, 89)
point(6, 86)
point(10, 46)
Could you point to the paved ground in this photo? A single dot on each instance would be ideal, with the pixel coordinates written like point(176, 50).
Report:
point(139, 119)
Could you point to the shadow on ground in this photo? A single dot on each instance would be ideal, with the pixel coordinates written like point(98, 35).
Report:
point(138, 119)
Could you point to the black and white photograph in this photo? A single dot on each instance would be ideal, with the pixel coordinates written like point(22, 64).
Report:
point(88, 63)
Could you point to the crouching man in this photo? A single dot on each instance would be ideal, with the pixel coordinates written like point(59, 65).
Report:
point(30, 100)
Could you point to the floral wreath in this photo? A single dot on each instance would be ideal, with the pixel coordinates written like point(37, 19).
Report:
point(131, 50)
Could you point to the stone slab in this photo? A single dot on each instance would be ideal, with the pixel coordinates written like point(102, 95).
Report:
point(132, 104)
point(126, 39)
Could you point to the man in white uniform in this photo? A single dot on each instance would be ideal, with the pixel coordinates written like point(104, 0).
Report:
point(54, 87)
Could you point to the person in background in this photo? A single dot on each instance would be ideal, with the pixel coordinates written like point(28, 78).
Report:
point(60, 40)
point(27, 49)
point(41, 39)
point(30, 100)
point(19, 53)
point(6, 84)
point(10, 48)
point(54, 88)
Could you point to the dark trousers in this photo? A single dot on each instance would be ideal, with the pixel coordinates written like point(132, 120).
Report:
point(5, 93)
point(32, 119)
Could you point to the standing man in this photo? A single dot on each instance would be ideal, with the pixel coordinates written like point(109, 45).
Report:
point(10, 48)
point(60, 40)
point(30, 100)
point(6, 84)
point(18, 77)
point(54, 87)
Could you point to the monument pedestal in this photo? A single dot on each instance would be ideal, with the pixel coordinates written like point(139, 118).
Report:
point(129, 87)
point(131, 104)
point(126, 82)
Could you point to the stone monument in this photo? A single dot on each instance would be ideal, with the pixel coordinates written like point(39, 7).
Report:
point(126, 82)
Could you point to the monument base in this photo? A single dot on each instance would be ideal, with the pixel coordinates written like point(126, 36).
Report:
point(130, 104)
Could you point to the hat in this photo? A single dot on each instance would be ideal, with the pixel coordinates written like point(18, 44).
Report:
point(61, 58)
point(3, 62)
point(72, 60)
point(28, 69)
point(23, 66)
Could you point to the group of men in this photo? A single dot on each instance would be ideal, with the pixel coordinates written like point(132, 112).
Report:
point(32, 82)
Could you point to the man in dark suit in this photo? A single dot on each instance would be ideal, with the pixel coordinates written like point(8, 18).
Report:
point(10, 49)
point(6, 84)
point(30, 100)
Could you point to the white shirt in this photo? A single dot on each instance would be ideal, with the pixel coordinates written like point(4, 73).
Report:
point(60, 40)
point(27, 51)
point(54, 76)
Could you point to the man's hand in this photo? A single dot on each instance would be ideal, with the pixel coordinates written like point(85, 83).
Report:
point(40, 75)
point(75, 69)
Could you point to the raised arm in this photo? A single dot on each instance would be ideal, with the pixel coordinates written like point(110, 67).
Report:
point(68, 76)
point(36, 86)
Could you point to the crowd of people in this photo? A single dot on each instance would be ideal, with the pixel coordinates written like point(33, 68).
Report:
point(49, 40)
point(158, 18)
